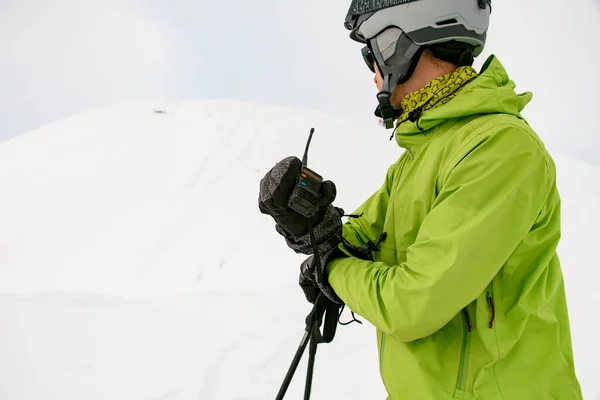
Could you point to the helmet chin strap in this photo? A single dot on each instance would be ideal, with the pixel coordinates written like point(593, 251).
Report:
point(388, 114)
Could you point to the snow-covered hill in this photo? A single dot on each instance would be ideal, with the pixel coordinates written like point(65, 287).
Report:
point(134, 263)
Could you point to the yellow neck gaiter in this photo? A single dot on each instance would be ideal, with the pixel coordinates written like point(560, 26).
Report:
point(436, 93)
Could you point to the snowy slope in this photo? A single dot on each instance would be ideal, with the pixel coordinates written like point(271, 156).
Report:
point(134, 263)
point(129, 193)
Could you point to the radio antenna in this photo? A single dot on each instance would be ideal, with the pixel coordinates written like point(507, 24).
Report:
point(305, 157)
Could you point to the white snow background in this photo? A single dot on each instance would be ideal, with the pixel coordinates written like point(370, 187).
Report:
point(134, 263)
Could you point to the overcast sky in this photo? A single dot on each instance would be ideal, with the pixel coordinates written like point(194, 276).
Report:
point(61, 57)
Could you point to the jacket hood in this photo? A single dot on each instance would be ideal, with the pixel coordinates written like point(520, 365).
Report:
point(492, 92)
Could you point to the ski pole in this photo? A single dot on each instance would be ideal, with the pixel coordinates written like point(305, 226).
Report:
point(312, 352)
point(293, 366)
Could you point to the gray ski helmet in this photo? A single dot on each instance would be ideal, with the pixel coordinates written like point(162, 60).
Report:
point(397, 31)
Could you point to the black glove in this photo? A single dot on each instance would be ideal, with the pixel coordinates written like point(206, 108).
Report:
point(275, 191)
point(326, 236)
point(312, 284)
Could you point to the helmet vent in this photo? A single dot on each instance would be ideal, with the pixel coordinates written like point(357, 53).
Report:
point(389, 50)
point(445, 22)
point(387, 42)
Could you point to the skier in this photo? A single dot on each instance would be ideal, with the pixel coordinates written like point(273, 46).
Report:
point(454, 259)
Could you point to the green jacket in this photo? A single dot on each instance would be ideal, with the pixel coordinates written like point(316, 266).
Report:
point(466, 291)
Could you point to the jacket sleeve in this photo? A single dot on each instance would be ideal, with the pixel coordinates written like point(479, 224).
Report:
point(487, 202)
point(359, 231)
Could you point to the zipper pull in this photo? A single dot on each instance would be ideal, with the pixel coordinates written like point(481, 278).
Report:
point(490, 302)
point(375, 247)
point(382, 237)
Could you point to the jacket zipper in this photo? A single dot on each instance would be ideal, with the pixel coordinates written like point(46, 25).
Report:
point(464, 354)
point(381, 353)
point(490, 301)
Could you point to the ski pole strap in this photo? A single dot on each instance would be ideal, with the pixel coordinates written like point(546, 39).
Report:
point(323, 308)
point(318, 265)
point(331, 321)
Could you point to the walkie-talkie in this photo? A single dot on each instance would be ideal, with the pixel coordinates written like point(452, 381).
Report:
point(305, 198)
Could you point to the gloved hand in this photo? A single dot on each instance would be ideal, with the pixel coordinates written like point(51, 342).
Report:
point(312, 283)
point(275, 190)
point(327, 236)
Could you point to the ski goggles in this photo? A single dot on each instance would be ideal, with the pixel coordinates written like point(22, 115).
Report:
point(368, 58)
